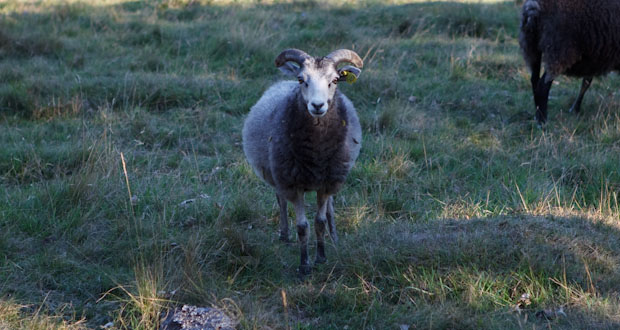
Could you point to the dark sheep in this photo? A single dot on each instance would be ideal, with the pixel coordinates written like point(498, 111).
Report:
point(578, 38)
point(305, 136)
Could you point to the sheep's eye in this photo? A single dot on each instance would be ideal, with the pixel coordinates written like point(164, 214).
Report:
point(335, 81)
point(301, 81)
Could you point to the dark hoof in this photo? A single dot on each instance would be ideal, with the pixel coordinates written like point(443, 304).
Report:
point(304, 270)
point(320, 260)
point(540, 121)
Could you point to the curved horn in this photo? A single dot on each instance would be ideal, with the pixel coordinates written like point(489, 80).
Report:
point(295, 55)
point(345, 55)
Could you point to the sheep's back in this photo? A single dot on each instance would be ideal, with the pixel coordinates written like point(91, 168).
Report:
point(580, 37)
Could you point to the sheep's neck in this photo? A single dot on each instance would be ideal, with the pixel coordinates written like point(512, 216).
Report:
point(330, 127)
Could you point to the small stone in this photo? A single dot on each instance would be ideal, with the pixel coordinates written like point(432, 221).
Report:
point(412, 99)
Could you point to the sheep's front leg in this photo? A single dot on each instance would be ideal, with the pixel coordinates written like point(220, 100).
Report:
point(283, 218)
point(302, 232)
point(541, 97)
point(319, 226)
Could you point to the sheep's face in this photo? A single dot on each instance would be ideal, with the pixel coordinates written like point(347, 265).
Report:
point(317, 82)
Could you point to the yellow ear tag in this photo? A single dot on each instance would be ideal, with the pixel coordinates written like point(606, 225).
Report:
point(351, 78)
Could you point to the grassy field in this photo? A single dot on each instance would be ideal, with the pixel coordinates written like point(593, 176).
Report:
point(115, 114)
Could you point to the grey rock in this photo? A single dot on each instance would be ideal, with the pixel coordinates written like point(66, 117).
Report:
point(196, 318)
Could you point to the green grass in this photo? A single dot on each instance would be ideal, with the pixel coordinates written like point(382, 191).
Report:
point(457, 206)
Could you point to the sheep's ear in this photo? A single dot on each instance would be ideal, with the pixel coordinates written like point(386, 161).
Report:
point(289, 68)
point(349, 73)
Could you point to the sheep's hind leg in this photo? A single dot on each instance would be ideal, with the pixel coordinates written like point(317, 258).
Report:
point(302, 232)
point(331, 220)
point(319, 226)
point(283, 218)
point(585, 84)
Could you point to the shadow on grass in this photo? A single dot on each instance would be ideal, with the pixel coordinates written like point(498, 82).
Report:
point(471, 273)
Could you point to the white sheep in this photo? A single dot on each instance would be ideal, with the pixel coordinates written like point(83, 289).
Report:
point(305, 136)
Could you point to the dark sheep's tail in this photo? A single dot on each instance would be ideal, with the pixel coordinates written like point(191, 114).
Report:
point(531, 11)
point(530, 35)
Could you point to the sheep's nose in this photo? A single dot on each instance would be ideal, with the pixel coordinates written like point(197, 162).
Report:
point(317, 106)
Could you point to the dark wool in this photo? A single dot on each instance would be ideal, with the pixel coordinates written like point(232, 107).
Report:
point(309, 153)
point(576, 37)
point(579, 38)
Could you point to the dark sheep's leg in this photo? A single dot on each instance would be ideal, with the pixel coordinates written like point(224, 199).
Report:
point(331, 224)
point(535, 78)
point(283, 218)
point(319, 226)
point(541, 98)
point(302, 232)
point(535, 67)
point(585, 84)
